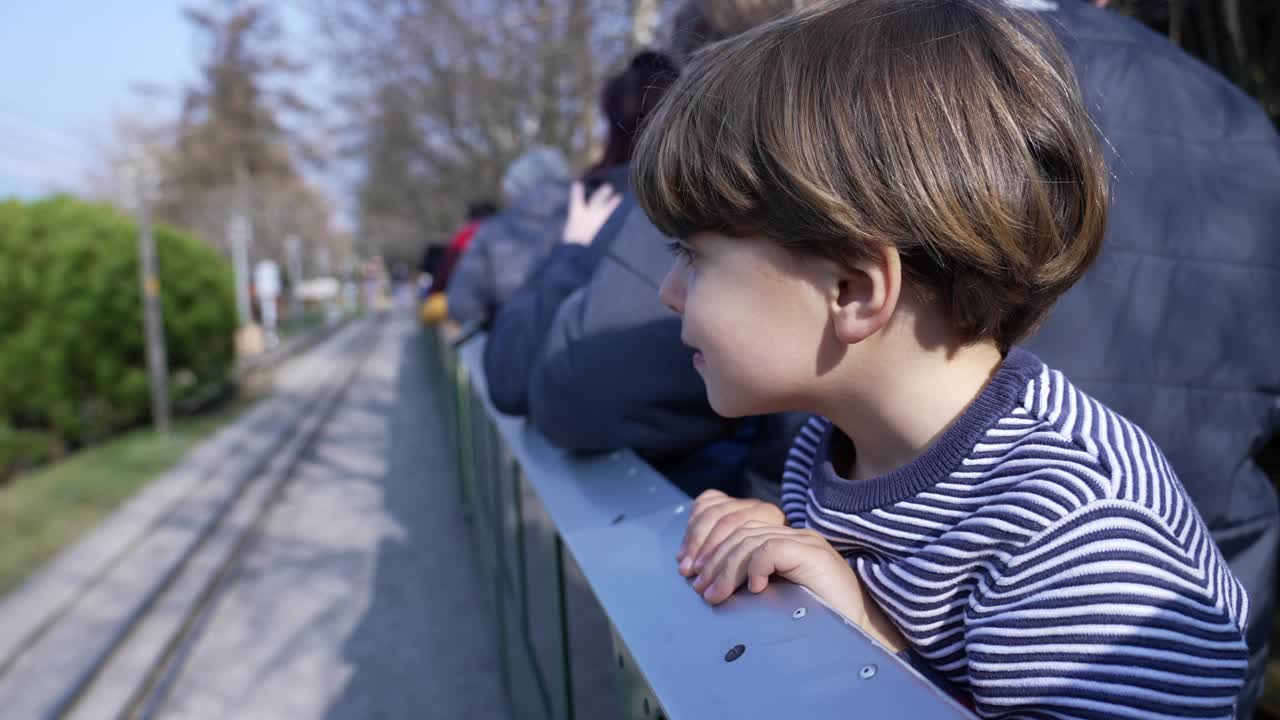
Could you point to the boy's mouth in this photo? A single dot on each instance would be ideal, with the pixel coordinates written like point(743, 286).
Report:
point(697, 354)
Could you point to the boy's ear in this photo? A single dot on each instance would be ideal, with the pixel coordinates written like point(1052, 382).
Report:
point(866, 294)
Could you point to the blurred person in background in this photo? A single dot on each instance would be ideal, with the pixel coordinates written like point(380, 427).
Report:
point(612, 320)
point(435, 306)
point(1175, 326)
point(604, 193)
point(626, 100)
point(505, 249)
point(429, 265)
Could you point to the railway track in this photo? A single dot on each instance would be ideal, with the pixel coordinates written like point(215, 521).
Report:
point(112, 648)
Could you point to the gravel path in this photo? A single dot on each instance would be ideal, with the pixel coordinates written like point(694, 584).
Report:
point(359, 601)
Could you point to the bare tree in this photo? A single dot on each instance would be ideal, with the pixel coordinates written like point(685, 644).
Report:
point(133, 143)
point(237, 143)
point(443, 94)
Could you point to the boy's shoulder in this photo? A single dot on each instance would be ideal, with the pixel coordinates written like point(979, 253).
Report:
point(1059, 440)
point(1042, 451)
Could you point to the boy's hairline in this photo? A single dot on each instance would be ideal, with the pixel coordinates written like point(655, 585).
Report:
point(757, 212)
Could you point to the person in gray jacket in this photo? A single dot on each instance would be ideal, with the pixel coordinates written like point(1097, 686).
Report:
point(612, 372)
point(521, 325)
point(1177, 325)
point(508, 246)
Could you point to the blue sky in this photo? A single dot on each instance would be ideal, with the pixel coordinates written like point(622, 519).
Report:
point(68, 68)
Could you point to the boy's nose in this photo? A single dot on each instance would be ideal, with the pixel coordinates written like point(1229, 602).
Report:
point(672, 290)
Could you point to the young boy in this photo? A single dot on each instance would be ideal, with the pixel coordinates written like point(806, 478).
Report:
point(875, 200)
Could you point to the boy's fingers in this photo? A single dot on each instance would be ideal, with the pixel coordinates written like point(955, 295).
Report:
point(735, 566)
point(731, 572)
point(733, 518)
point(576, 195)
point(740, 540)
point(742, 549)
point(701, 521)
point(757, 582)
point(796, 558)
point(695, 539)
point(707, 496)
point(754, 562)
point(727, 523)
point(695, 546)
point(761, 566)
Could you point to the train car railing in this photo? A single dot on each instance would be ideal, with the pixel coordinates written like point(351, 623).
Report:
point(535, 509)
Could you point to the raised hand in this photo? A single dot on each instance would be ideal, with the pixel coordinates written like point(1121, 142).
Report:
point(587, 216)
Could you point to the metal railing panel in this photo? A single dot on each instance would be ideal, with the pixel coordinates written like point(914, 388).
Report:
point(781, 651)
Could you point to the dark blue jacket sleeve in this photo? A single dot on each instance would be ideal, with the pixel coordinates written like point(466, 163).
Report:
point(613, 372)
point(521, 325)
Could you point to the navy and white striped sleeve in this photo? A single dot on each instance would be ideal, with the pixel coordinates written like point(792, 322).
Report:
point(1109, 614)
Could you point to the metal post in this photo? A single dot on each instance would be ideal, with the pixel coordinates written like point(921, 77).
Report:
point(238, 235)
point(293, 253)
point(566, 651)
point(323, 262)
point(157, 356)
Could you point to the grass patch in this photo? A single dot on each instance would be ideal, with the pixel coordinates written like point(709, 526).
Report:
point(301, 322)
point(45, 510)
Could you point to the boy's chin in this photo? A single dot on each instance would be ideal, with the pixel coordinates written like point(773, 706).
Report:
point(729, 405)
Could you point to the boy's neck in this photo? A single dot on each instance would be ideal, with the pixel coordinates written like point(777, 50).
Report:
point(897, 408)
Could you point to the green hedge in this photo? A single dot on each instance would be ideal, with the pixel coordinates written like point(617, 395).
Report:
point(72, 362)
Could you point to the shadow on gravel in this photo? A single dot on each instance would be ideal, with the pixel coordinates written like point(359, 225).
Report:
point(426, 647)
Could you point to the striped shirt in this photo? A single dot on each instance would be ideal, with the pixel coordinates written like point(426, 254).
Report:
point(1041, 555)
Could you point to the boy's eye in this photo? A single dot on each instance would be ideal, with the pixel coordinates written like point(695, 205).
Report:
point(680, 250)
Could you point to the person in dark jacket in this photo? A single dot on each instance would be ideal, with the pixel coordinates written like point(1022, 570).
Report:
point(507, 247)
point(477, 213)
point(611, 371)
point(1176, 325)
point(521, 325)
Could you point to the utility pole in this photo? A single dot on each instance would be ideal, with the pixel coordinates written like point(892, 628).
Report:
point(293, 254)
point(153, 320)
point(240, 236)
point(238, 232)
point(323, 261)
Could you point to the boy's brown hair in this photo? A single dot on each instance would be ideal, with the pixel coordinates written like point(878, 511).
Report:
point(951, 129)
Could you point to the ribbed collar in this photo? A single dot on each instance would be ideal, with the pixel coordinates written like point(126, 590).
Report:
point(942, 458)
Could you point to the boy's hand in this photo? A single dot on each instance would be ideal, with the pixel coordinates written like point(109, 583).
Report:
point(715, 516)
point(756, 551)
